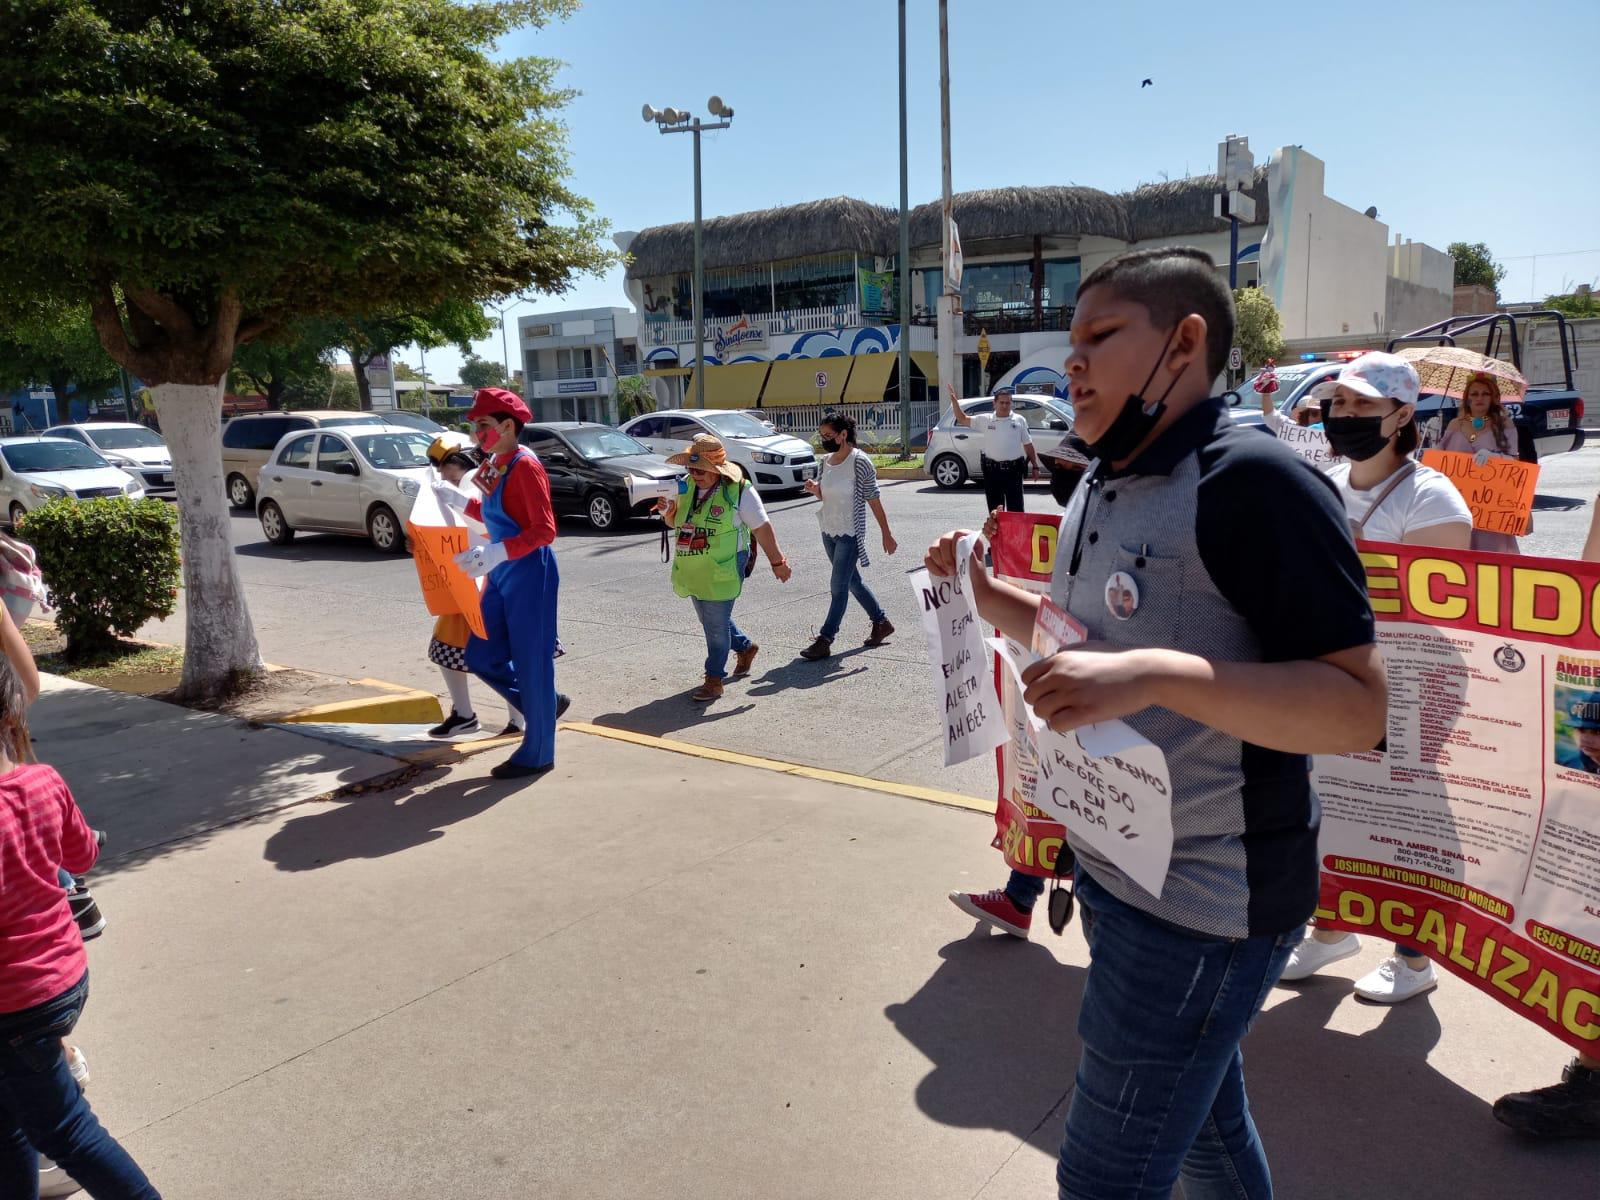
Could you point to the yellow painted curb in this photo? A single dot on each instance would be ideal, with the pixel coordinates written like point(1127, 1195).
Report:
point(450, 753)
point(402, 708)
point(910, 791)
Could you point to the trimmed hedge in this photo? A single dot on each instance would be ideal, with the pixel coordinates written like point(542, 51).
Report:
point(110, 565)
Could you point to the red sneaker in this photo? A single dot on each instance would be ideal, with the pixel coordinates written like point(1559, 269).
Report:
point(996, 908)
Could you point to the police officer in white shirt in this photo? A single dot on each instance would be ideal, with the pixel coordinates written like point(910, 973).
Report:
point(1007, 450)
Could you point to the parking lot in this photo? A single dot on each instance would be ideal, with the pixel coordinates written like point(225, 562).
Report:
point(635, 649)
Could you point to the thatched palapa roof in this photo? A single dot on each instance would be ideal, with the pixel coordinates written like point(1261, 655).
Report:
point(768, 235)
point(842, 225)
point(1024, 212)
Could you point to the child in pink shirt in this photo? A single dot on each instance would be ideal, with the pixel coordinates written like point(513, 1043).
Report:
point(44, 978)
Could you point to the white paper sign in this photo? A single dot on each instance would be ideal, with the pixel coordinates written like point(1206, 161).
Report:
point(963, 681)
point(1310, 444)
point(1107, 785)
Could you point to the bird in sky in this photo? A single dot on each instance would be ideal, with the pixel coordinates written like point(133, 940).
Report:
point(1147, 83)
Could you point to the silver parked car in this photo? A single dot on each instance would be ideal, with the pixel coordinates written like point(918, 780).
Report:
point(954, 451)
point(36, 470)
point(355, 479)
point(137, 450)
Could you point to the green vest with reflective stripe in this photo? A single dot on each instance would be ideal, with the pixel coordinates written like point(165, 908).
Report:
point(705, 560)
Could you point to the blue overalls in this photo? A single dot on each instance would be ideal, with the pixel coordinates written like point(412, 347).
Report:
point(517, 659)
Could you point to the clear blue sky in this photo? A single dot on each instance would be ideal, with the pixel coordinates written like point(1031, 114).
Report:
point(1452, 118)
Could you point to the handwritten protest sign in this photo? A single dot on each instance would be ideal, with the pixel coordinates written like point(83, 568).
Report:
point(1472, 835)
point(963, 688)
point(1499, 492)
point(435, 541)
point(1105, 785)
point(1310, 444)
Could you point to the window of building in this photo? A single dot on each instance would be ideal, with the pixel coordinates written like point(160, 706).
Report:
point(575, 362)
point(990, 287)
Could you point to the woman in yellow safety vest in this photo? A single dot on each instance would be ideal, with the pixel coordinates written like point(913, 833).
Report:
point(714, 509)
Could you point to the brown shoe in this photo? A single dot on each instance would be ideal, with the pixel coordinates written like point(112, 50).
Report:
point(711, 689)
point(881, 633)
point(743, 659)
point(818, 650)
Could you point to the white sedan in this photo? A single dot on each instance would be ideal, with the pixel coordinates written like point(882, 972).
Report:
point(36, 470)
point(137, 450)
point(355, 479)
point(774, 462)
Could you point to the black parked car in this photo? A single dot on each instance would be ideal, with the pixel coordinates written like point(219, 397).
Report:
point(589, 465)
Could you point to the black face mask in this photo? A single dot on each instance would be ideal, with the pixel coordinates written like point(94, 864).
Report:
point(1357, 438)
point(1134, 423)
point(830, 444)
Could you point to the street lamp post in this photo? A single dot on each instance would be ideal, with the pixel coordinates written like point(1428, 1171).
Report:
point(505, 346)
point(673, 120)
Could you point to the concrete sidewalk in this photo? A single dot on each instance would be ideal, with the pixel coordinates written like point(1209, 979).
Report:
point(656, 975)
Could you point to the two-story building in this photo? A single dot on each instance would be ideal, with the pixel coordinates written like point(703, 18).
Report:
point(802, 303)
point(572, 360)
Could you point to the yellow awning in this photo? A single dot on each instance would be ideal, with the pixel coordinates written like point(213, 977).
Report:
point(794, 381)
point(928, 363)
point(868, 378)
point(667, 372)
point(736, 385)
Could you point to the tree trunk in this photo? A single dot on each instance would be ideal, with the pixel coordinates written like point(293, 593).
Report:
point(219, 640)
point(363, 387)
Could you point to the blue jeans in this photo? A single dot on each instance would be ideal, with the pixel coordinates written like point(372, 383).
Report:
point(1024, 890)
point(845, 582)
point(1160, 1088)
point(42, 1109)
point(722, 635)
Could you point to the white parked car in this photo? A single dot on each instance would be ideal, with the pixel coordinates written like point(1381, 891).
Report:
point(954, 451)
point(355, 479)
point(774, 462)
point(36, 470)
point(136, 449)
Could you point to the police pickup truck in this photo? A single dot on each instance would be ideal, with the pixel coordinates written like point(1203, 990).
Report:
point(1548, 418)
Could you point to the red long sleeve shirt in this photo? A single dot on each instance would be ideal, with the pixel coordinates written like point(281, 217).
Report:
point(41, 830)
point(525, 495)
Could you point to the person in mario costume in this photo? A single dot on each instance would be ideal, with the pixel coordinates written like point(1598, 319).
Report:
point(517, 658)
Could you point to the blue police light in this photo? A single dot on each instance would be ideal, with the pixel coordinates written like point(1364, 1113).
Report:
point(1308, 358)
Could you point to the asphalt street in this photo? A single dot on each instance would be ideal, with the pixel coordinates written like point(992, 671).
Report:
point(635, 649)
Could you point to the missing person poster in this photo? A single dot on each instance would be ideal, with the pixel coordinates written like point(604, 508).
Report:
point(1474, 835)
point(963, 687)
point(1024, 553)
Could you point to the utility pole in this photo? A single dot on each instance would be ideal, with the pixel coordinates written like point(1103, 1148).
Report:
point(905, 258)
point(948, 295)
point(674, 120)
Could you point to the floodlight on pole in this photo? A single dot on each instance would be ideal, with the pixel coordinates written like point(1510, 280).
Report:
point(672, 120)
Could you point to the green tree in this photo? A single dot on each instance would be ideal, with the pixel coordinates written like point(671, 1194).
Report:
point(406, 372)
point(1575, 304)
point(43, 340)
point(278, 362)
point(453, 322)
point(481, 373)
point(1258, 329)
point(634, 396)
point(203, 176)
point(1475, 265)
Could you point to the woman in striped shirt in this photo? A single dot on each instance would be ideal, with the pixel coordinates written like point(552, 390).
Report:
point(847, 487)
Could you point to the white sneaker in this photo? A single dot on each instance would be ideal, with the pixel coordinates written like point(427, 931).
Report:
point(1310, 956)
point(1394, 981)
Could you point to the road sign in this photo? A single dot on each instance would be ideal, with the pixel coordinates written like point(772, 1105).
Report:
point(983, 348)
point(1235, 359)
point(822, 380)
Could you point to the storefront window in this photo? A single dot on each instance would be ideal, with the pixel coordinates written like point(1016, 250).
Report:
point(986, 287)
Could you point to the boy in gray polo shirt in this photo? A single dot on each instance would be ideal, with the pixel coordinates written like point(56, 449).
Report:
point(1228, 623)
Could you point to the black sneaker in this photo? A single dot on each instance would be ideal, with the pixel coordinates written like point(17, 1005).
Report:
point(455, 725)
point(1569, 1109)
point(85, 911)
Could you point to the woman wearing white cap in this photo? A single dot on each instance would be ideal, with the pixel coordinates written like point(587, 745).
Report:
point(1368, 412)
